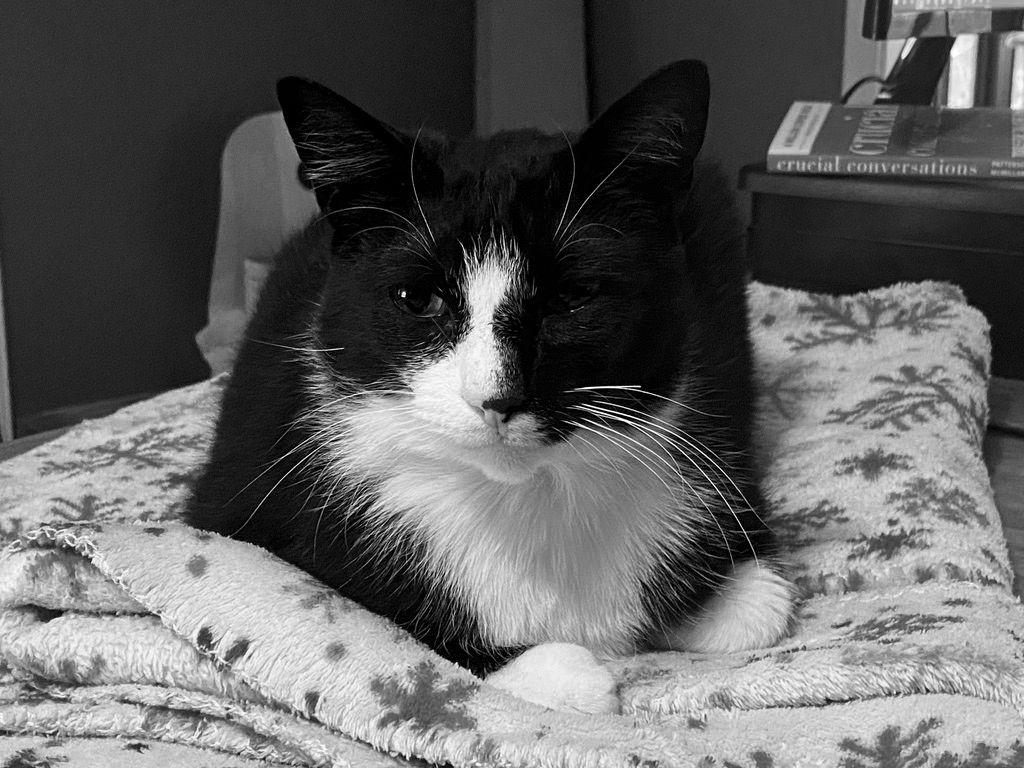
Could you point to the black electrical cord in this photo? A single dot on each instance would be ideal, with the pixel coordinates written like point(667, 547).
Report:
point(859, 84)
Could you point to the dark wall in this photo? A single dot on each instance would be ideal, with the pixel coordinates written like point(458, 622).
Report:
point(114, 116)
point(761, 57)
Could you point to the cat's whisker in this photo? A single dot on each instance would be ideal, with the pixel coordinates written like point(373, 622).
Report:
point(414, 231)
point(442, 331)
point(639, 390)
point(686, 443)
point(678, 474)
point(330, 428)
point(430, 260)
point(661, 439)
point(314, 487)
point(659, 435)
point(672, 434)
point(364, 230)
point(683, 541)
point(669, 438)
point(301, 463)
point(331, 403)
point(711, 458)
point(574, 242)
point(668, 429)
point(572, 183)
point(294, 449)
point(328, 498)
point(614, 438)
point(600, 184)
point(574, 239)
point(341, 522)
point(600, 224)
point(412, 179)
point(565, 246)
point(294, 349)
point(683, 441)
point(316, 530)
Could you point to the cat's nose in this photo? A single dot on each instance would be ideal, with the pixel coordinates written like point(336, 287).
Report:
point(496, 411)
point(503, 405)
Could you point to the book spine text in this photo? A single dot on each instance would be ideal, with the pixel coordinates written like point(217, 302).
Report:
point(945, 167)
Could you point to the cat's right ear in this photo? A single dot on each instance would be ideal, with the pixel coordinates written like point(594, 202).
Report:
point(349, 158)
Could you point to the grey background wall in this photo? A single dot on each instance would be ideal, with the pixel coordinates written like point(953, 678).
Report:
point(114, 115)
point(761, 57)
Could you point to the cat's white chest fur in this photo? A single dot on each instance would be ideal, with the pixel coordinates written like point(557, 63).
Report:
point(557, 557)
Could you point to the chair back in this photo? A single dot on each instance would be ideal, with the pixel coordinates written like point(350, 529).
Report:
point(262, 203)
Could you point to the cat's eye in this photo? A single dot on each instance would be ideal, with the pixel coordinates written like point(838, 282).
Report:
point(418, 300)
point(574, 297)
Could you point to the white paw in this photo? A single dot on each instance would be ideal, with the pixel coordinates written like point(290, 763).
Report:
point(752, 610)
point(560, 676)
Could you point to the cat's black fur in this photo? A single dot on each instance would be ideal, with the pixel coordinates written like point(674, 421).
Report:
point(652, 291)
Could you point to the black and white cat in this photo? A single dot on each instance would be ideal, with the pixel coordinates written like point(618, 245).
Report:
point(500, 392)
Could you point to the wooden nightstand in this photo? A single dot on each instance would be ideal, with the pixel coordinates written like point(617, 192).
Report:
point(848, 234)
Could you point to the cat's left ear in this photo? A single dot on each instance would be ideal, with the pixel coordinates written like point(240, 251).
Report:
point(352, 160)
point(652, 135)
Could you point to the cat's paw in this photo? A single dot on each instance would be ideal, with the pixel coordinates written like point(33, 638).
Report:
point(753, 609)
point(560, 676)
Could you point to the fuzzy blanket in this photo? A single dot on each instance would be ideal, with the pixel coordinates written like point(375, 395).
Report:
point(118, 621)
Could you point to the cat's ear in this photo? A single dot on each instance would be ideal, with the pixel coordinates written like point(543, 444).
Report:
point(653, 134)
point(349, 158)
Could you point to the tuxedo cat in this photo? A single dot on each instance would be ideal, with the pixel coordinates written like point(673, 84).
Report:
point(500, 392)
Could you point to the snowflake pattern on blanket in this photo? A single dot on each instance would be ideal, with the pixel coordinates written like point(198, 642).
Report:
point(896, 747)
point(857, 382)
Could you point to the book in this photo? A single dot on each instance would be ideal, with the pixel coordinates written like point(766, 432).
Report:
point(899, 140)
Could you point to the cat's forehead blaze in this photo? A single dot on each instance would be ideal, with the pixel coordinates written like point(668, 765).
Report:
point(493, 278)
